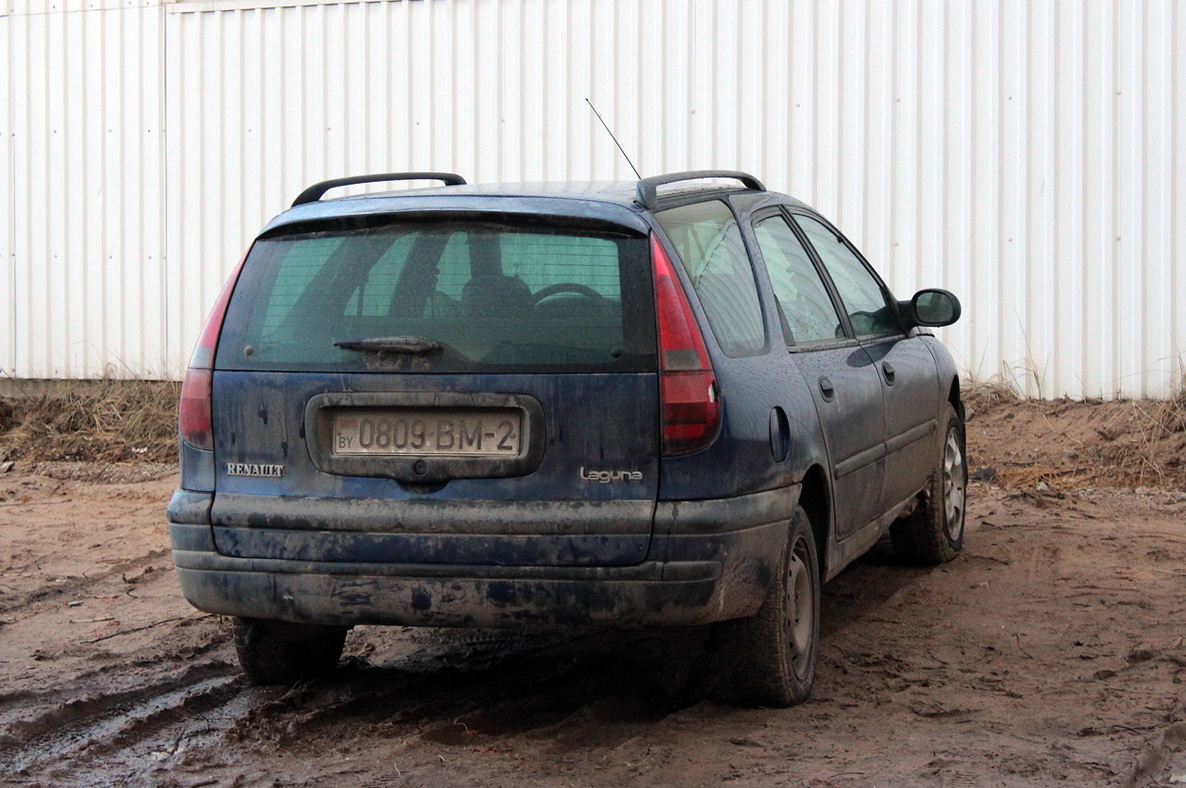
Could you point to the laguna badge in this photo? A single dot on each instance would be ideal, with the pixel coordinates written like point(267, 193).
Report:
point(605, 477)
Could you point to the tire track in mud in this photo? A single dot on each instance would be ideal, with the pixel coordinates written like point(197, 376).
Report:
point(438, 690)
point(93, 707)
point(80, 734)
point(452, 687)
point(157, 560)
point(65, 711)
point(445, 688)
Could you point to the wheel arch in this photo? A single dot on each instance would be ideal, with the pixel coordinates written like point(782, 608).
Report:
point(954, 397)
point(815, 498)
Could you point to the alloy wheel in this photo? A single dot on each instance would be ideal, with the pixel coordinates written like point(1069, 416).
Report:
point(801, 610)
point(955, 480)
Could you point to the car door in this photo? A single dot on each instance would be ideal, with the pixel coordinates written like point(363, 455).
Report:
point(839, 372)
point(905, 367)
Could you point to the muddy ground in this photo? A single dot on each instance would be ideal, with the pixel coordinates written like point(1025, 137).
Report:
point(1050, 652)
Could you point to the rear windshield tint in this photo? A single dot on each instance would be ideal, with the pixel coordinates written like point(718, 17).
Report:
point(495, 297)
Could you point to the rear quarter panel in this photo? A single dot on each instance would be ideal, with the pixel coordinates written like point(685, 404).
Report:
point(743, 458)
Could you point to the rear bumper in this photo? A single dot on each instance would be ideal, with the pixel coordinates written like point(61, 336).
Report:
point(708, 561)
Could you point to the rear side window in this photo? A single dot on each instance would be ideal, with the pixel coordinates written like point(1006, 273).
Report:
point(862, 295)
point(497, 297)
point(708, 241)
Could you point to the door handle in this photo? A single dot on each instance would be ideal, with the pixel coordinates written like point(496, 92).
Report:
point(888, 370)
point(827, 389)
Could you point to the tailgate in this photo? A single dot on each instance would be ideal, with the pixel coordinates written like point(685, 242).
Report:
point(448, 389)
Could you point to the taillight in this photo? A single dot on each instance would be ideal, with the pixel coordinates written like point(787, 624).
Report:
point(689, 407)
point(194, 416)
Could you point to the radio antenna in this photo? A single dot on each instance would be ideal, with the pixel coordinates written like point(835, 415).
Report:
point(612, 137)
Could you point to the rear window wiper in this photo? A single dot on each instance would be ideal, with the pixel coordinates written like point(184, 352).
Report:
point(412, 346)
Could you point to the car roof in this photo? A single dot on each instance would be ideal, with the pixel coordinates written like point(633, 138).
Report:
point(620, 192)
point(616, 202)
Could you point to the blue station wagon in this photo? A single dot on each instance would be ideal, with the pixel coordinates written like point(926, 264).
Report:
point(682, 401)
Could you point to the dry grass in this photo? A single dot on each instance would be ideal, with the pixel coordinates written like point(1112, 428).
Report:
point(982, 397)
point(1170, 415)
point(1070, 444)
point(104, 421)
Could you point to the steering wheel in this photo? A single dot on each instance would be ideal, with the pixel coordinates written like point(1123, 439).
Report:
point(566, 287)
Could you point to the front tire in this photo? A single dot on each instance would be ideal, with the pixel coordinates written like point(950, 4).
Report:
point(276, 652)
point(770, 658)
point(934, 533)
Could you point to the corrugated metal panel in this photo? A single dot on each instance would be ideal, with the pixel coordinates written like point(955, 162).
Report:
point(7, 203)
point(1019, 153)
point(87, 231)
point(39, 7)
point(1027, 155)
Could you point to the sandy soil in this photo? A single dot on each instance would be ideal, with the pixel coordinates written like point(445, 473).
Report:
point(1051, 651)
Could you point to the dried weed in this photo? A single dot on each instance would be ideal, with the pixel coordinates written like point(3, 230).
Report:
point(1071, 444)
point(103, 420)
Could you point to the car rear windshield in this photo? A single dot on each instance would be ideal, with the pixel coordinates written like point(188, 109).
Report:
point(470, 297)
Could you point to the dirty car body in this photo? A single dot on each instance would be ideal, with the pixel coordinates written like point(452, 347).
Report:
point(553, 406)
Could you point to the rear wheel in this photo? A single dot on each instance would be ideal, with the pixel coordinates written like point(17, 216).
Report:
point(770, 658)
point(276, 652)
point(934, 533)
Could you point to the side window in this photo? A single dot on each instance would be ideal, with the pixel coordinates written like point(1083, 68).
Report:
point(708, 241)
point(862, 295)
point(801, 293)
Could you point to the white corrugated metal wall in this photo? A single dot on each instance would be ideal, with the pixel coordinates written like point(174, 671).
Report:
point(83, 177)
point(1027, 155)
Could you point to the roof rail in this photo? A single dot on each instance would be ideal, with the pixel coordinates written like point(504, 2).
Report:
point(314, 192)
point(648, 188)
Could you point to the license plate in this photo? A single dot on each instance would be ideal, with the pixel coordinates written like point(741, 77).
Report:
point(428, 432)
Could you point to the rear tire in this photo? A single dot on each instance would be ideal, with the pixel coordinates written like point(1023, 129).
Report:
point(934, 533)
point(770, 658)
point(276, 652)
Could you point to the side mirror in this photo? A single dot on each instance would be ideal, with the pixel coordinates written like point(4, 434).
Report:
point(931, 307)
